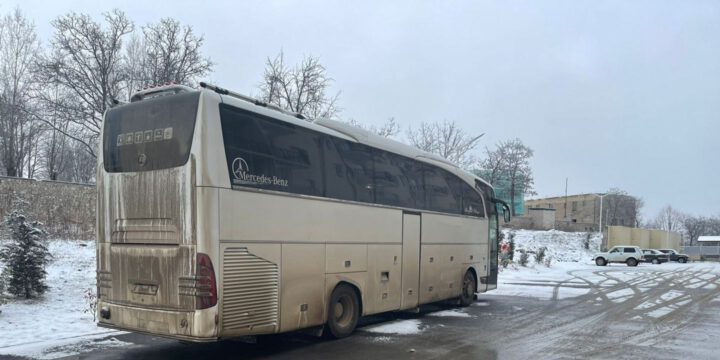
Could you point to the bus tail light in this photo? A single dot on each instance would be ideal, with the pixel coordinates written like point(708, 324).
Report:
point(205, 283)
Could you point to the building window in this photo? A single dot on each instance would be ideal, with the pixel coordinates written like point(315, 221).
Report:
point(574, 206)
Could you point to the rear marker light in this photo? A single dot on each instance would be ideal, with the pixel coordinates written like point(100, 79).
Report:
point(206, 289)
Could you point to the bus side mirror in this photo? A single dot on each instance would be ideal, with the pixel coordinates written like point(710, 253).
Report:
point(506, 213)
point(505, 208)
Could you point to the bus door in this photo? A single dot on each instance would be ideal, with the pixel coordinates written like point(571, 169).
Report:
point(410, 260)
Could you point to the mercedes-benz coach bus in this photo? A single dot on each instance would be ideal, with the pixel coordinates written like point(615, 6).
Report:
point(221, 216)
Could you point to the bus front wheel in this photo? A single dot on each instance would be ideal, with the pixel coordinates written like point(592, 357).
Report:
point(343, 311)
point(469, 289)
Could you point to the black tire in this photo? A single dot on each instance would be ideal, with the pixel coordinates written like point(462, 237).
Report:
point(655, 261)
point(469, 288)
point(682, 260)
point(343, 312)
point(631, 262)
point(600, 262)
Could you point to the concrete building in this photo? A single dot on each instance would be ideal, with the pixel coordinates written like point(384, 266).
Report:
point(582, 212)
point(534, 219)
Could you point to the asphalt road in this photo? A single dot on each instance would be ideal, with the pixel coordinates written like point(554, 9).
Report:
point(668, 313)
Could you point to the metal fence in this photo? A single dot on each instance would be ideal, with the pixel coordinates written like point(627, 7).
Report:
point(710, 252)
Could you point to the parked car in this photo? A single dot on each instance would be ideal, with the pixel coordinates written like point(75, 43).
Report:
point(675, 256)
point(629, 254)
point(655, 256)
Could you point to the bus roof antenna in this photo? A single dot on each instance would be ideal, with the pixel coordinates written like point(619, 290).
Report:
point(249, 99)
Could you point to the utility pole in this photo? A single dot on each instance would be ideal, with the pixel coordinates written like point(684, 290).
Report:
point(566, 183)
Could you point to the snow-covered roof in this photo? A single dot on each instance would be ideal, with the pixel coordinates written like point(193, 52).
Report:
point(709, 238)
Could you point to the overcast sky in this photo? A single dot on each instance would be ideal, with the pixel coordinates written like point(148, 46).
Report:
point(609, 94)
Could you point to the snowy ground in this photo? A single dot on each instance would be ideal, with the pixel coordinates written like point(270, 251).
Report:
point(56, 325)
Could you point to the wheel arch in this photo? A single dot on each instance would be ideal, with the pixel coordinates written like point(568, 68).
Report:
point(333, 281)
point(473, 271)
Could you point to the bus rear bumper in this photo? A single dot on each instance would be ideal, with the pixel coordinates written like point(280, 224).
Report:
point(179, 325)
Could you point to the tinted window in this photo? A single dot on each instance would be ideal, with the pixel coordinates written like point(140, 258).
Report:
point(349, 171)
point(266, 153)
point(472, 204)
point(440, 195)
point(398, 180)
point(270, 154)
point(151, 134)
point(488, 193)
point(629, 250)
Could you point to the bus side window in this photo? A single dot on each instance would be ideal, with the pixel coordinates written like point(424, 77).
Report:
point(438, 193)
point(270, 154)
point(397, 181)
point(472, 204)
point(351, 165)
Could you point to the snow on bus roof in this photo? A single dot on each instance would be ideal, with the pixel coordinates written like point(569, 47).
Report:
point(709, 238)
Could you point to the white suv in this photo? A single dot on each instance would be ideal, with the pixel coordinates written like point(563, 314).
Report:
point(629, 254)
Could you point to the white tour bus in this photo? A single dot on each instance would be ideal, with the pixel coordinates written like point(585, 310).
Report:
point(221, 216)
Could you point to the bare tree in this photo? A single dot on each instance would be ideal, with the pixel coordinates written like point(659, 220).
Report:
point(81, 165)
point(172, 54)
point(301, 89)
point(19, 49)
point(86, 60)
point(493, 166)
point(639, 204)
point(620, 208)
point(509, 163)
point(713, 226)
point(696, 226)
point(669, 219)
point(389, 129)
point(133, 62)
point(446, 139)
point(54, 143)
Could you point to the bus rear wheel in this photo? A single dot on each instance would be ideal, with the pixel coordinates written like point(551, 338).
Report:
point(469, 289)
point(343, 312)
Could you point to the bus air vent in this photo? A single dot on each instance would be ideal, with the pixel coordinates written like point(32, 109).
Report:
point(250, 291)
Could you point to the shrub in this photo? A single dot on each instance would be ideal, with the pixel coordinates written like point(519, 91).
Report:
point(548, 261)
point(524, 257)
point(511, 244)
point(504, 255)
point(91, 301)
point(540, 255)
point(2, 291)
point(586, 242)
point(25, 257)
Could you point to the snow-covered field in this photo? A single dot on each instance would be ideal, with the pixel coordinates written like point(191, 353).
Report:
point(567, 253)
point(560, 246)
point(56, 325)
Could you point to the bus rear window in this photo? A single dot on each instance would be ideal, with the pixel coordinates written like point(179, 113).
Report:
point(151, 134)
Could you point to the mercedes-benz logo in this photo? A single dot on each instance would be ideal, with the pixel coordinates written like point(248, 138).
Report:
point(239, 166)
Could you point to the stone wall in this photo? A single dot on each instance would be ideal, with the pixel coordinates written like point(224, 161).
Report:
point(67, 210)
